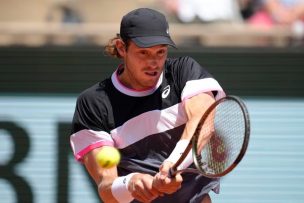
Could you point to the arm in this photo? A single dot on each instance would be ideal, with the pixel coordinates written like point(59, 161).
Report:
point(195, 107)
point(139, 186)
point(102, 177)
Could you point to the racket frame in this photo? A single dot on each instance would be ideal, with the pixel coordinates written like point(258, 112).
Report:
point(192, 144)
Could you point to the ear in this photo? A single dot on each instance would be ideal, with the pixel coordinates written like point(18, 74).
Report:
point(121, 47)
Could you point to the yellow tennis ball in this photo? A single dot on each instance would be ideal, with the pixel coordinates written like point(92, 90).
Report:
point(108, 157)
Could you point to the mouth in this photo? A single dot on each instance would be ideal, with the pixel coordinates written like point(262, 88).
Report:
point(151, 73)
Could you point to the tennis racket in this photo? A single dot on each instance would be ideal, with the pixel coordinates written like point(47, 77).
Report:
point(227, 121)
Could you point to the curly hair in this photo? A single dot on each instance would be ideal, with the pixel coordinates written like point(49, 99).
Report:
point(111, 50)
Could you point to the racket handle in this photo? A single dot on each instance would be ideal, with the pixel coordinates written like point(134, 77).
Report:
point(171, 173)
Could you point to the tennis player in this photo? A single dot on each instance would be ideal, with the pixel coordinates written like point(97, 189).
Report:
point(148, 109)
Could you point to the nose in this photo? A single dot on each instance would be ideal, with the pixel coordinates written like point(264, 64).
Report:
point(153, 62)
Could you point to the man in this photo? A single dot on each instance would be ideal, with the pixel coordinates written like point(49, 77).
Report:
point(148, 109)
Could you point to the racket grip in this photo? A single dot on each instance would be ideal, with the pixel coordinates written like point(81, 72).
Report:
point(171, 173)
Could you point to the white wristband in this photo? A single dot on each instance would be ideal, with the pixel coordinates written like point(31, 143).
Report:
point(187, 161)
point(177, 152)
point(120, 189)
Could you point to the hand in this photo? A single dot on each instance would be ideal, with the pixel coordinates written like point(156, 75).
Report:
point(140, 186)
point(163, 183)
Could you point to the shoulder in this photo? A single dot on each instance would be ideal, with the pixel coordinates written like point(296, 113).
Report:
point(94, 93)
point(182, 64)
point(180, 61)
point(185, 66)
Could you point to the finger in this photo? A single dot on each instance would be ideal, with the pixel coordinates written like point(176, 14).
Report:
point(166, 166)
point(175, 181)
point(157, 183)
point(156, 179)
point(145, 191)
point(178, 178)
point(171, 185)
point(150, 192)
point(164, 170)
point(138, 197)
point(154, 191)
point(139, 194)
point(147, 196)
point(136, 190)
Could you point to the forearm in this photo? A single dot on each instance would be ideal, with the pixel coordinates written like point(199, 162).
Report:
point(105, 190)
point(195, 107)
point(123, 189)
point(103, 177)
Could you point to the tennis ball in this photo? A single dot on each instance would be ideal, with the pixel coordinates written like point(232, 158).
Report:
point(108, 157)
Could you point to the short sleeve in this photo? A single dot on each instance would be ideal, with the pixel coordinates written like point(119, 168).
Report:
point(87, 115)
point(89, 130)
point(193, 79)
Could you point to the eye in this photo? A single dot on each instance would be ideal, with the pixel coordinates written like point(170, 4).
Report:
point(143, 52)
point(161, 52)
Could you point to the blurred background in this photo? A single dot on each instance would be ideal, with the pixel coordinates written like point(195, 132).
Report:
point(51, 50)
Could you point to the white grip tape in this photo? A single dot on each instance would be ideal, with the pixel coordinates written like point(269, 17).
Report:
point(177, 152)
point(120, 189)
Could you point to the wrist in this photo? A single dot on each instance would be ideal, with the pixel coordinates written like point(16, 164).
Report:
point(120, 190)
point(179, 149)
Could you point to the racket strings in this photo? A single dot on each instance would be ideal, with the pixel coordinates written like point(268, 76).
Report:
point(224, 126)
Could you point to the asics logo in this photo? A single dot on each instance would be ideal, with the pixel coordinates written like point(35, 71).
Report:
point(166, 92)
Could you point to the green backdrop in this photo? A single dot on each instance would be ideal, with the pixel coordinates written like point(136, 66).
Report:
point(241, 71)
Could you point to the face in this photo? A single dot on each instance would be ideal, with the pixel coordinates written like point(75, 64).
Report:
point(142, 66)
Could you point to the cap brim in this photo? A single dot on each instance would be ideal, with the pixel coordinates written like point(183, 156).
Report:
point(150, 41)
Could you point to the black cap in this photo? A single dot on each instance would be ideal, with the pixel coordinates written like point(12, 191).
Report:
point(146, 28)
